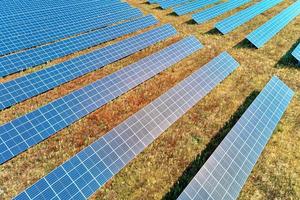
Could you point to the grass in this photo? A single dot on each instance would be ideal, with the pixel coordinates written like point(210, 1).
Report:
point(166, 166)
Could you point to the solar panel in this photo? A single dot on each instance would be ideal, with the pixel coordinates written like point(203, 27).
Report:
point(58, 17)
point(268, 30)
point(217, 10)
point(61, 113)
point(152, 1)
point(169, 4)
point(232, 22)
point(225, 172)
point(27, 8)
point(296, 52)
point(22, 88)
point(192, 6)
point(83, 174)
point(48, 35)
point(25, 59)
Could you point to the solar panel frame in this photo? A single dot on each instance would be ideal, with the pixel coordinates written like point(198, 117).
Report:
point(217, 10)
point(225, 172)
point(268, 30)
point(169, 4)
point(227, 25)
point(193, 6)
point(296, 52)
point(49, 35)
point(16, 62)
point(98, 162)
point(30, 85)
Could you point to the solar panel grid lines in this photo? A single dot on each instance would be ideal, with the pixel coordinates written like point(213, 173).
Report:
point(20, 10)
point(49, 35)
point(43, 20)
point(96, 164)
point(217, 10)
point(44, 122)
point(13, 63)
point(225, 172)
point(296, 52)
point(30, 85)
point(169, 4)
point(192, 6)
point(268, 30)
point(232, 22)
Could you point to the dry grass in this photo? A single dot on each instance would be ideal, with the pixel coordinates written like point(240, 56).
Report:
point(165, 167)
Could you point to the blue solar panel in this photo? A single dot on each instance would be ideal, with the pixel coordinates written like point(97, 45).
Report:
point(152, 1)
point(49, 35)
point(18, 8)
point(296, 52)
point(29, 58)
point(217, 10)
point(24, 24)
point(44, 122)
point(232, 22)
point(169, 4)
point(192, 6)
point(268, 30)
point(25, 87)
point(225, 172)
point(83, 174)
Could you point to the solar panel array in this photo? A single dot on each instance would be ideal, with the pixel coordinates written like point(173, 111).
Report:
point(225, 172)
point(217, 10)
point(28, 7)
point(192, 6)
point(169, 4)
point(268, 30)
point(25, 87)
point(232, 22)
point(18, 42)
point(296, 52)
point(29, 58)
point(83, 174)
point(28, 130)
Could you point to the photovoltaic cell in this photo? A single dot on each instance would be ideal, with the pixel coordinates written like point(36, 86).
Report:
point(44, 122)
point(25, 87)
point(29, 58)
point(169, 4)
point(83, 174)
point(296, 52)
point(217, 10)
point(32, 24)
point(50, 35)
point(232, 22)
point(268, 30)
point(225, 172)
point(192, 6)
point(152, 1)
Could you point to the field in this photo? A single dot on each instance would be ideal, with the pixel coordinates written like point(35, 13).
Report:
point(164, 169)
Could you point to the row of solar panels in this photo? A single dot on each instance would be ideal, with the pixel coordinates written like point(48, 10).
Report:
point(88, 170)
point(258, 37)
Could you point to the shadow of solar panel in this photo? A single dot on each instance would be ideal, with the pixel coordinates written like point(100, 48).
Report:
point(25, 87)
point(28, 8)
point(232, 22)
point(169, 4)
point(192, 6)
point(227, 169)
point(42, 123)
point(268, 30)
point(23, 25)
point(13, 63)
point(49, 35)
point(217, 10)
point(100, 161)
point(296, 52)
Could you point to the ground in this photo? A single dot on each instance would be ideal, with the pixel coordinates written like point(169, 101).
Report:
point(163, 169)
